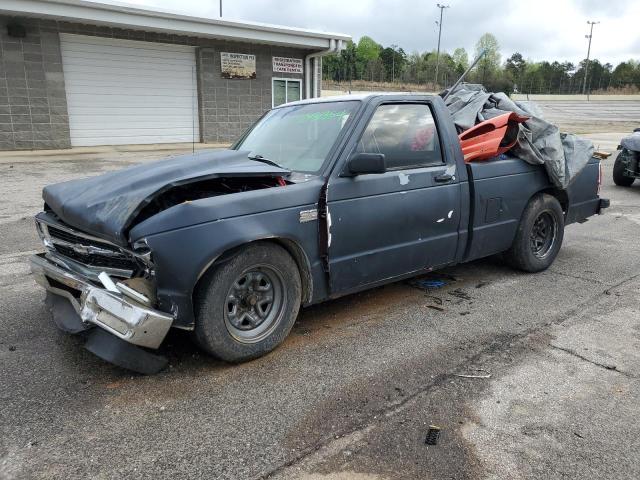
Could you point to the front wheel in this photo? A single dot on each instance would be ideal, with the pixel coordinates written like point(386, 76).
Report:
point(539, 235)
point(620, 177)
point(247, 305)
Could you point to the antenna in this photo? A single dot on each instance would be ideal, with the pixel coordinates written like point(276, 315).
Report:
point(450, 91)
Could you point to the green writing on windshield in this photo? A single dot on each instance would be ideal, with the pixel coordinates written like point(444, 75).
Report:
point(321, 116)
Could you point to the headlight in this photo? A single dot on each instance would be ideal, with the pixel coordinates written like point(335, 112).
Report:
point(142, 252)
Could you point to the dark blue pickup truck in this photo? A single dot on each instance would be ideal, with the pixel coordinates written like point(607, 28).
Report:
point(318, 199)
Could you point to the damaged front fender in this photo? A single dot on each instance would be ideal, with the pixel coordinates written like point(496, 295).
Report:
point(187, 239)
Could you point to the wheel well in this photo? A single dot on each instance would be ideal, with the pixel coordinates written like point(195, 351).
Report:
point(296, 252)
point(560, 195)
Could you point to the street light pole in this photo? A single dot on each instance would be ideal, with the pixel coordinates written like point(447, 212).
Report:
point(220, 8)
point(393, 63)
point(441, 7)
point(586, 65)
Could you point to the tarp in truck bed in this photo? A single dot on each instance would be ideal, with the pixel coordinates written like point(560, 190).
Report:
point(563, 155)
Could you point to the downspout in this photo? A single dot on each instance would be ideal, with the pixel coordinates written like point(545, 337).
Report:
point(334, 46)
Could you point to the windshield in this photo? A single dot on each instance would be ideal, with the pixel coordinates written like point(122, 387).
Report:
point(298, 137)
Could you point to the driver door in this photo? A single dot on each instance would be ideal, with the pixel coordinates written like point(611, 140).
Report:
point(404, 220)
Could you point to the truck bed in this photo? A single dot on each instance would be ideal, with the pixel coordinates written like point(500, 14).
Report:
point(500, 190)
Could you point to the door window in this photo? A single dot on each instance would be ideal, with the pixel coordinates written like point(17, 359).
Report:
point(405, 133)
point(286, 90)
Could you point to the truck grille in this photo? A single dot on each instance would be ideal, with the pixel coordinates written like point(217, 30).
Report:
point(73, 238)
point(87, 250)
point(95, 260)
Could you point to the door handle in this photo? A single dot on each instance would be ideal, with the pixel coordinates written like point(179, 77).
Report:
point(445, 177)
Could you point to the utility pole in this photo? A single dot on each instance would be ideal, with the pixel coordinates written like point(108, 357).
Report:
point(586, 65)
point(441, 7)
point(393, 63)
point(220, 8)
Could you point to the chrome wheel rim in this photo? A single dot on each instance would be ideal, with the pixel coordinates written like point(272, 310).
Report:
point(543, 234)
point(254, 304)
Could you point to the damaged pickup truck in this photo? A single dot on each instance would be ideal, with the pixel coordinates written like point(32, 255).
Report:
point(318, 199)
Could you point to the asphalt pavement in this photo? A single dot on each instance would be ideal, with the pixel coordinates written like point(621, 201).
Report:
point(527, 376)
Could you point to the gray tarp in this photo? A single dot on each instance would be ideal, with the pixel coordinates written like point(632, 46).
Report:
point(539, 142)
point(632, 142)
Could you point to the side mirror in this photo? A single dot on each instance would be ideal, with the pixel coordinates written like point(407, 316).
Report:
point(363, 163)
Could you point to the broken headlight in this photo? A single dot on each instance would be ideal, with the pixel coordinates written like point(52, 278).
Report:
point(143, 254)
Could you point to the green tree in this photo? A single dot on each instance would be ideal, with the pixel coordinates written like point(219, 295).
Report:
point(488, 67)
point(368, 55)
point(461, 60)
point(515, 67)
point(394, 60)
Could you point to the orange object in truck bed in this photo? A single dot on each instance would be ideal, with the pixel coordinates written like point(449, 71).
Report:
point(491, 137)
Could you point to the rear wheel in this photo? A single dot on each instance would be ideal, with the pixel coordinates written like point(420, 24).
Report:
point(539, 235)
point(620, 177)
point(247, 306)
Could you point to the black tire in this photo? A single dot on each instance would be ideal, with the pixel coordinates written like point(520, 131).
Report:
point(532, 249)
point(232, 299)
point(620, 177)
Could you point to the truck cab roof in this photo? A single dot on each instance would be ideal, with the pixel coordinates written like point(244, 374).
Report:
point(363, 97)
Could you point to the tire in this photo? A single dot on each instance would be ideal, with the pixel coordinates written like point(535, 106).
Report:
point(619, 171)
point(235, 321)
point(539, 235)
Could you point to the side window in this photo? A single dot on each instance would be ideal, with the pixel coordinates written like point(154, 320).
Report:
point(405, 133)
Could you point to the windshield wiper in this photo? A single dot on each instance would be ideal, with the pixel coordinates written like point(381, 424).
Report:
point(260, 158)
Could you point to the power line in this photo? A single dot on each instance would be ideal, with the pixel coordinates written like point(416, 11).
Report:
point(586, 65)
point(441, 7)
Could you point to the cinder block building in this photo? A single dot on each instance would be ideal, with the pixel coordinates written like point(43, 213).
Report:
point(75, 73)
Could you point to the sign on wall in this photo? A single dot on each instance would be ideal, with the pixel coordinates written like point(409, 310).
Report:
point(238, 65)
point(287, 65)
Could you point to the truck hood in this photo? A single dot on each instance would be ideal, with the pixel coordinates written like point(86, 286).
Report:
point(107, 205)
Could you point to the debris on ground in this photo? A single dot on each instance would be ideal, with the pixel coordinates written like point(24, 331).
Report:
point(435, 307)
point(436, 300)
point(432, 435)
point(486, 374)
point(431, 281)
point(459, 293)
point(427, 284)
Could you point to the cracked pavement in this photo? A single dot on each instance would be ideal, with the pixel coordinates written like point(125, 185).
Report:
point(353, 390)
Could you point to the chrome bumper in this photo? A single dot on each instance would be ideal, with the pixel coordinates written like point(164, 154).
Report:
point(111, 311)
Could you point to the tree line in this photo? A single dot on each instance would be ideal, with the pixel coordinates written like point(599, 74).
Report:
point(367, 60)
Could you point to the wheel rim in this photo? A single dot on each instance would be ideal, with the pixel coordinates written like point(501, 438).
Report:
point(254, 304)
point(543, 234)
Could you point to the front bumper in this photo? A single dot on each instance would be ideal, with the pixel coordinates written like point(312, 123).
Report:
point(113, 312)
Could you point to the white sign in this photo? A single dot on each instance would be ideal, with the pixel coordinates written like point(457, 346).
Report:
point(287, 65)
point(238, 65)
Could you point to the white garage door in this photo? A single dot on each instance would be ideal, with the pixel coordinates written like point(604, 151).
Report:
point(125, 92)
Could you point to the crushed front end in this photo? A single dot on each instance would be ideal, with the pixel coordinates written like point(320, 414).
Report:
point(104, 290)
